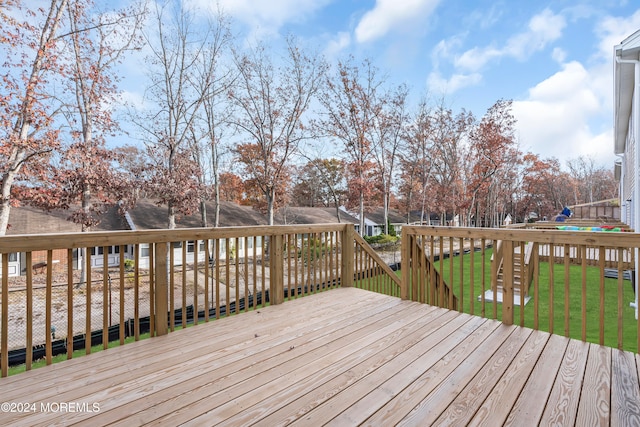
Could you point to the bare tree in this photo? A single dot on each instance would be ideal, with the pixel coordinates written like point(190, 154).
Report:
point(349, 101)
point(449, 135)
point(415, 161)
point(271, 101)
point(215, 81)
point(98, 41)
point(386, 134)
point(177, 93)
point(492, 144)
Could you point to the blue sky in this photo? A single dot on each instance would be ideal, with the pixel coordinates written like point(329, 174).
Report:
point(553, 59)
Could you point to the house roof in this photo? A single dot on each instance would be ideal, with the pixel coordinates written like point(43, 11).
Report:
point(377, 217)
point(146, 215)
point(31, 220)
point(624, 82)
point(312, 215)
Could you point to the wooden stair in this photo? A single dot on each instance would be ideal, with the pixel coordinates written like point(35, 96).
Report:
point(521, 278)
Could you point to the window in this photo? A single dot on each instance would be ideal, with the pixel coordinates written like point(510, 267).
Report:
point(110, 250)
point(144, 250)
point(190, 246)
point(13, 257)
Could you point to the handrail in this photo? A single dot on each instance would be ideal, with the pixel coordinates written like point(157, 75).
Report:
point(362, 244)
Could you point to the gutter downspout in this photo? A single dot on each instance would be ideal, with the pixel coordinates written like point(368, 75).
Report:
point(635, 109)
point(623, 204)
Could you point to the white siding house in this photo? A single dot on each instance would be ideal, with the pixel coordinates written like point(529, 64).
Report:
point(626, 100)
point(626, 129)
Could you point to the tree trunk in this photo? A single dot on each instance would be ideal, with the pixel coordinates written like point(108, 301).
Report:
point(361, 213)
point(270, 198)
point(203, 212)
point(385, 202)
point(171, 216)
point(5, 204)
point(216, 190)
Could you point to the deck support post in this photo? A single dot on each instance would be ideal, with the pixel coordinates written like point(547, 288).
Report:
point(161, 289)
point(348, 253)
point(276, 267)
point(507, 285)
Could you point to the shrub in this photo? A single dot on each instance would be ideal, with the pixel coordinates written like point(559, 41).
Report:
point(381, 239)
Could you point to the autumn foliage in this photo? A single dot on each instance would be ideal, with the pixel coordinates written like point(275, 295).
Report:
point(227, 120)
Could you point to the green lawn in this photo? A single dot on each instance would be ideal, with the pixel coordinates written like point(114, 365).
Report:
point(573, 290)
point(77, 353)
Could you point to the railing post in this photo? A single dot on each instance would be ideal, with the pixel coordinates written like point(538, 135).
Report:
point(405, 263)
point(507, 283)
point(276, 267)
point(346, 280)
point(161, 289)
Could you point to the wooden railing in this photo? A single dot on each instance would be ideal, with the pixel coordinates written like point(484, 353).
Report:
point(575, 257)
point(582, 289)
point(422, 281)
point(153, 282)
point(371, 272)
point(161, 280)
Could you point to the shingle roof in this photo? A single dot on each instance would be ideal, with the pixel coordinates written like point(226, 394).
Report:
point(312, 215)
point(148, 215)
point(31, 220)
point(377, 216)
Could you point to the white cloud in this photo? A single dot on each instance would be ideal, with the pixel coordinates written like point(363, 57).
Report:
point(340, 42)
point(438, 84)
point(543, 29)
point(267, 15)
point(476, 58)
point(555, 120)
point(444, 49)
point(388, 15)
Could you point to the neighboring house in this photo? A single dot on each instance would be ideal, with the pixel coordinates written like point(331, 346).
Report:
point(374, 221)
point(626, 102)
point(148, 216)
point(430, 218)
point(30, 220)
point(376, 217)
point(145, 216)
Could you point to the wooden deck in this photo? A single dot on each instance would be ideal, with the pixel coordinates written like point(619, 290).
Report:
point(343, 357)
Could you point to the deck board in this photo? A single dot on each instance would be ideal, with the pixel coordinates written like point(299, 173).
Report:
point(563, 401)
point(595, 400)
point(341, 357)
